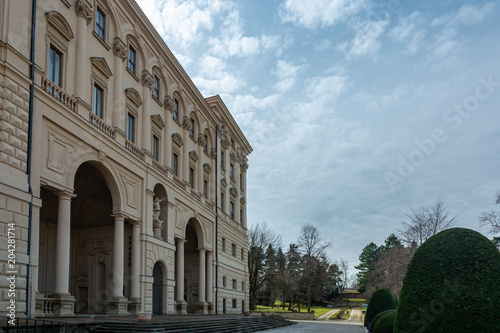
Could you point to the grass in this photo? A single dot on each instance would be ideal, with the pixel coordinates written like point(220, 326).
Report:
point(318, 310)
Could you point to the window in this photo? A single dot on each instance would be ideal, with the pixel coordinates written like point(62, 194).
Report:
point(132, 59)
point(224, 281)
point(191, 177)
point(231, 171)
point(242, 285)
point(222, 160)
point(242, 258)
point(223, 305)
point(233, 250)
point(191, 131)
point(234, 285)
point(222, 205)
point(156, 87)
point(234, 303)
point(156, 147)
point(205, 188)
point(130, 127)
point(55, 66)
point(241, 216)
point(241, 181)
point(223, 245)
point(177, 109)
point(100, 21)
point(231, 210)
point(205, 147)
point(98, 100)
point(175, 164)
point(232, 143)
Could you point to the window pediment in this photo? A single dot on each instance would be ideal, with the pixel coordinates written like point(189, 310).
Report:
point(223, 182)
point(56, 20)
point(193, 156)
point(207, 168)
point(134, 96)
point(233, 191)
point(177, 139)
point(242, 200)
point(158, 121)
point(102, 66)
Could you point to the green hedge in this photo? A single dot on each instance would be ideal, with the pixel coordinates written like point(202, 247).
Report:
point(452, 284)
point(386, 323)
point(381, 300)
point(377, 317)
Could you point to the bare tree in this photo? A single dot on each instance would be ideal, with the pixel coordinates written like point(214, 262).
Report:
point(260, 237)
point(426, 222)
point(344, 266)
point(491, 218)
point(313, 254)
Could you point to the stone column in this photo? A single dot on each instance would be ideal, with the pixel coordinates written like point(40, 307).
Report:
point(168, 103)
point(135, 268)
point(64, 302)
point(200, 171)
point(120, 52)
point(181, 304)
point(85, 15)
point(118, 305)
point(209, 283)
point(186, 125)
point(201, 306)
point(147, 83)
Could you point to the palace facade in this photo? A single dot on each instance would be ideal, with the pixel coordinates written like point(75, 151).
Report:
point(122, 188)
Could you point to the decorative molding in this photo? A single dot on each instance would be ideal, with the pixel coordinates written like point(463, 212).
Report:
point(233, 191)
point(156, 119)
point(168, 103)
point(213, 153)
point(193, 156)
point(147, 79)
point(120, 48)
point(58, 21)
point(223, 182)
point(102, 65)
point(186, 123)
point(134, 96)
point(242, 201)
point(225, 144)
point(207, 168)
point(84, 9)
point(177, 139)
point(201, 140)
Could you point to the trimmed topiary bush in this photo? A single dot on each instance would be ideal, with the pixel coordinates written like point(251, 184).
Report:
point(386, 323)
point(377, 317)
point(381, 300)
point(452, 284)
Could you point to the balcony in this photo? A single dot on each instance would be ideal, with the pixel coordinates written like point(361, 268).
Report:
point(58, 93)
point(98, 123)
point(136, 151)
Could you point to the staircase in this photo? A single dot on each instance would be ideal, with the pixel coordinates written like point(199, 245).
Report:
point(232, 325)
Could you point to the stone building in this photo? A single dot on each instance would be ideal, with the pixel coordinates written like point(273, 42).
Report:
point(123, 188)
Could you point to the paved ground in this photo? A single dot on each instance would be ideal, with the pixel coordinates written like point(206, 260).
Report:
point(327, 315)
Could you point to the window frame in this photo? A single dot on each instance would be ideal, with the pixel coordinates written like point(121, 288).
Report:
point(132, 65)
point(156, 86)
point(98, 100)
point(223, 245)
point(192, 176)
point(131, 121)
point(175, 164)
point(53, 52)
point(192, 131)
point(155, 147)
point(222, 202)
point(234, 284)
point(177, 109)
point(205, 188)
point(100, 27)
point(231, 210)
point(233, 250)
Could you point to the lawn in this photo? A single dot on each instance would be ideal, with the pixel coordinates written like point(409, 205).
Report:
point(318, 310)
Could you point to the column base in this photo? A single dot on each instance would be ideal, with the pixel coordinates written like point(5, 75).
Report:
point(201, 308)
point(117, 306)
point(210, 308)
point(181, 307)
point(64, 305)
point(135, 306)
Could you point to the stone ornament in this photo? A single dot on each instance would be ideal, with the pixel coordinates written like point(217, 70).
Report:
point(201, 140)
point(157, 223)
point(213, 153)
point(84, 9)
point(147, 79)
point(119, 48)
point(168, 103)
point(186, 123)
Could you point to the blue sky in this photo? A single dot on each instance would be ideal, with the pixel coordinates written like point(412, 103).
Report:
point(356, 110)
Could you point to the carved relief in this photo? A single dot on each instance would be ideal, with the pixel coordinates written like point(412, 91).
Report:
point(186, 123)
point(168, 103)
point(213, 153)
point(119, 48)
point(201, 140)
point(147, 80)
point(131, 190)
point(84, 9)
point(59, 152)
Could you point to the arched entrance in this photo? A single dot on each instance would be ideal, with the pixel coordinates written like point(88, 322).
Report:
point(78, 228)
point(157, 289)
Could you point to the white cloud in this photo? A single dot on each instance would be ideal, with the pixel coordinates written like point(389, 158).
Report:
point(287, 73)
point(215, 77)
point(365, 41)
point(409, 31)
point(467, 14)
point(313, 13)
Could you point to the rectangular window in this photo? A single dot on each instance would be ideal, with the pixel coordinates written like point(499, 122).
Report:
point(241, 216)
point(191, 131)
point(130, 127)
point(98, 100)
point(176, 109)
point(242, 257)
point(223, 245)
point(191, 177)
point(205, 188)
point(55, 65)
point(234, 284)
point(222, 159)
point(231, 171)
point(222, 200)
point(175, 164)
point(224, 281)
point(132, 59)
point(231, 210)
point(156, 147)
point(241, 181)
point(156, 87)
point(233, 250)
point(232, 143)
point(223, 305)
point(242, 285)
point(234, 303)
point(205, 147)
point(100, 21)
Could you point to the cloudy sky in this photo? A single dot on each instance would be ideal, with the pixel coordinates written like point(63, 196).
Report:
point(356, 110)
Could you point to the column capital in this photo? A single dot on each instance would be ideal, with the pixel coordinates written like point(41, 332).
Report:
point(135, 223)
point(147, 80)
point(202, 249)
point(65, 195)
point(118, 215)
point(119, 48)
point(84, 9)
point(180, 240)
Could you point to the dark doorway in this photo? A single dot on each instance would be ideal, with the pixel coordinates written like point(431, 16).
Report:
point(157, 289)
